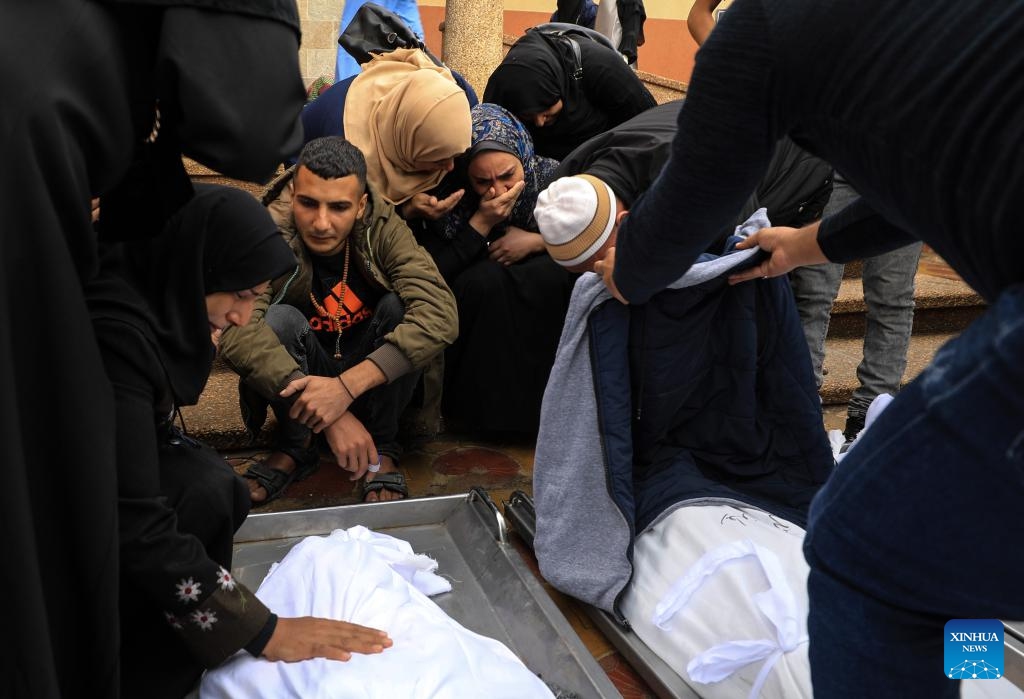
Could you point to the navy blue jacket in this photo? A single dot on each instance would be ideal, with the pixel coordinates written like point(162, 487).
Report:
point(724, 400)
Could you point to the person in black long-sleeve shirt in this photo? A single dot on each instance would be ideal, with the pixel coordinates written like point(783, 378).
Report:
point(921, 107)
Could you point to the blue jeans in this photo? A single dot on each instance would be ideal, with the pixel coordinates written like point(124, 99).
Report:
point(921, 521)
point(888, 282)
point(378, 409)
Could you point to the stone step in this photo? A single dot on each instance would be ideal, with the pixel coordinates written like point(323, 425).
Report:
point(941, 304)
point(216, 420)
point(843, 354)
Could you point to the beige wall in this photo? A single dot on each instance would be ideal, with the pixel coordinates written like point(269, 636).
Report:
point(320, 20)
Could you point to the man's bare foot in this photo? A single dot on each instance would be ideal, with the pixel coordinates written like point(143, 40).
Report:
point(387, 465)
point(278, 461)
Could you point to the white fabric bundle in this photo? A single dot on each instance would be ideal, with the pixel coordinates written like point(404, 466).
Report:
point(378, 581)
point(719, 592)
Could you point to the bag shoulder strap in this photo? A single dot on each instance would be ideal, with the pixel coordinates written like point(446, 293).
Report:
point(564, 31)
point(577, 69)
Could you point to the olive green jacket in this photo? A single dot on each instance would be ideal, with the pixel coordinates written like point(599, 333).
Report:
point(388, 256)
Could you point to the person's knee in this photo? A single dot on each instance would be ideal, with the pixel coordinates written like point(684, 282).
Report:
point(288, 323)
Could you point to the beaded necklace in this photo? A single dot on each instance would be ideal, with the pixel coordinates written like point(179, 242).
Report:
point(341, 302)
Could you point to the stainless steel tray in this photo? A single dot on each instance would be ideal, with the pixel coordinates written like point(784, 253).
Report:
point(493, 592)
point(661, 678)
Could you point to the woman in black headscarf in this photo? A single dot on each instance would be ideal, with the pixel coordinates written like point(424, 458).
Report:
point(538, 81)
point(158, 306)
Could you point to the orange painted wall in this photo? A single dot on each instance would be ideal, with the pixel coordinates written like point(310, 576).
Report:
point(431, 18)
point(668, 52)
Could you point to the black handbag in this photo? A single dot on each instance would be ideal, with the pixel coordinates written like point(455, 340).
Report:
point(375, 29)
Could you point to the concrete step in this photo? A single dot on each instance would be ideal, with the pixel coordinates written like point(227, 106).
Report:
point(216, 420)
point(942, 304)
point(843, 354)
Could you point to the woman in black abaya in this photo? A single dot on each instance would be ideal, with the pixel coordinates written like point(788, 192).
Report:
point(536, 82)
point(511, 295)
point(81, 82)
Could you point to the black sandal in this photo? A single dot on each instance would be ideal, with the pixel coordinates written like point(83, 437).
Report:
point(274, 481)
point(393, 481)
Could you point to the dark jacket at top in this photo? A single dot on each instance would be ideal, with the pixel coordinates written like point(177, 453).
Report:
point(724, 401)
point(630, 156)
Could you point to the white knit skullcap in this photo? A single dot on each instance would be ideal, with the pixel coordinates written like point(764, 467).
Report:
point(575, 216)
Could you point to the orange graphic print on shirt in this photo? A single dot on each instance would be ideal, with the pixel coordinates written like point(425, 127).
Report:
point(353, 311)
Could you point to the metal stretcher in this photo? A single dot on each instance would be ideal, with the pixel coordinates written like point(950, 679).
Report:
point(494, 593)
point(662, 679)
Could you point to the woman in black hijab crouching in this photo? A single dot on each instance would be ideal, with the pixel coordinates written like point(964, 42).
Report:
point(564, 99)
point(158, 307)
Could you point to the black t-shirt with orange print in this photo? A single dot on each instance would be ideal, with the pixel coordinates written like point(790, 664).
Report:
point(360, 299)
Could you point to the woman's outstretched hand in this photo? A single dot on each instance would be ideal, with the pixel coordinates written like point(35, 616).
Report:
point(428, 206)
point(307, 637)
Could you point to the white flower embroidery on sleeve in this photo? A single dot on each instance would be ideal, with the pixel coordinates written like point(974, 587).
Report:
point(226, 581)
point(188, 590)
point(172, 620)
point(205, 619)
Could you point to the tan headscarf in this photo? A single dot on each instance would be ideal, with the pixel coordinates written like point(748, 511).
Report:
point(400, 109)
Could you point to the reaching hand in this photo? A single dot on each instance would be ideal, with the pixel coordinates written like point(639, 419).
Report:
point(515, 245)
point(425, 205)
point(304, 638)
point(352, 445)
point(788, 248)
point(606, 268)
point(321, 401)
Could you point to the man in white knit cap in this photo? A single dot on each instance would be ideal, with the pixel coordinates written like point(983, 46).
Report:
point(578, 218)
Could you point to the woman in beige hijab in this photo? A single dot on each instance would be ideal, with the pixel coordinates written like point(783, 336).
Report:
point(410, 119)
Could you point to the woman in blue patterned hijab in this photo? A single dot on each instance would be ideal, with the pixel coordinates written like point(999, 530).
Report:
point(499, 139)
point(511, 295)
